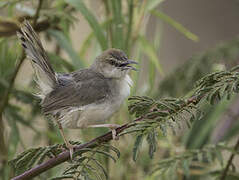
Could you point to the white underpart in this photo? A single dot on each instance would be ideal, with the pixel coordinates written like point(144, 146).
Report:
point(93, 114)
point(126, 84)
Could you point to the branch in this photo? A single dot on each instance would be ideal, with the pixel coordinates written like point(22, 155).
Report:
point(66, 155)
point(229, 162)
point(91, 144)
point(11, 28)
point(11, 83)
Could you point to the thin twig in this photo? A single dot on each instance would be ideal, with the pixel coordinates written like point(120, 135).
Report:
point(5, 100)
point(3, 105)
point(139, 22)
point(109, 25)
point(40, 26)
point(130, 23)
point(91, 144)
point(229, 162)
point(3, 146)
point(36, 16)
point(11, 83)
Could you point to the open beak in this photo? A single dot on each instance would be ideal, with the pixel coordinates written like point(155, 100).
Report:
point(127, 65)
point(129, 61)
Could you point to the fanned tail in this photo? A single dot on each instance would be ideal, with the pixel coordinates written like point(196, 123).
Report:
point(46, 77)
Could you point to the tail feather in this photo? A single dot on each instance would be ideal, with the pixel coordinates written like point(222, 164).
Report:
point(46, 77)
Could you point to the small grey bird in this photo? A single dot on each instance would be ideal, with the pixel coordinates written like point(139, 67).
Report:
point(84, 98)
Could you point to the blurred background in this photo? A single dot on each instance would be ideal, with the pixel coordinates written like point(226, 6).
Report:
point(175, 42)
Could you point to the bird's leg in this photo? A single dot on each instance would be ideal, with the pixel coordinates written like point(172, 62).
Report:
point(68, 145)
point(111, 126)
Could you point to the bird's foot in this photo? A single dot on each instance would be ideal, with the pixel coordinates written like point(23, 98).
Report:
point(113, 130)
point(114, 135)
point(111, 126)
point(70, 147)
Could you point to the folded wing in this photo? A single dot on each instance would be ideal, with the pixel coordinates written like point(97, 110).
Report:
point(75, 90)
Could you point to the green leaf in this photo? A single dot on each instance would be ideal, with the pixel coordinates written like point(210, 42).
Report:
point(201, 131)
point(232, 132)
point(185, 166)
point(63, 177)
point(80, 6)
point(137, 146)
point(200, 156)
point(128, 36)
point(163, 129)
point(106, 154)
point(152, 4)
point(86, 44)
point(2, 4)
point(14, 114)
point(101, 167)
point(58, 61)
point(219, 156)
point(34, 158)
point(151, 139)
point(66, 45)
point(149, 50)
point(117, 152)
point(235, 68)
point(209, 156)
point(176, 25)
point(20, 163)
point(14, 137)
point(117, 24)
point(173, 171)
point(97, 151)
point(23, 96)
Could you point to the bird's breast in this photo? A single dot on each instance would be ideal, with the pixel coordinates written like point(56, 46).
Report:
point(122, 89)
point(98, 113)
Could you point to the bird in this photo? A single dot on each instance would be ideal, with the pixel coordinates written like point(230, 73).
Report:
point(85, 98)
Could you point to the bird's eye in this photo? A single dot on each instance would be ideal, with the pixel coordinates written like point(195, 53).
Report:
point(111, 62)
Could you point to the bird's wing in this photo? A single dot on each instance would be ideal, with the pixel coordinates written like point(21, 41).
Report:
point(75, 90)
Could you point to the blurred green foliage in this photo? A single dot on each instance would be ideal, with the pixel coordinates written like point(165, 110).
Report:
point(194, 153)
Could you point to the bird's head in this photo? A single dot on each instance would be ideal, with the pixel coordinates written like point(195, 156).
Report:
point(113, 63)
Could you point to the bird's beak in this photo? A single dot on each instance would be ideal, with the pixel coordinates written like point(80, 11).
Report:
point(130, 61)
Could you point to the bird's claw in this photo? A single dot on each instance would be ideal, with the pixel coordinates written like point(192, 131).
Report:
point(70, 147)
point(114, 135)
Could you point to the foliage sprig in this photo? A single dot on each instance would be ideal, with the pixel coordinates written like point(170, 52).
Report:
point(152, 115)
